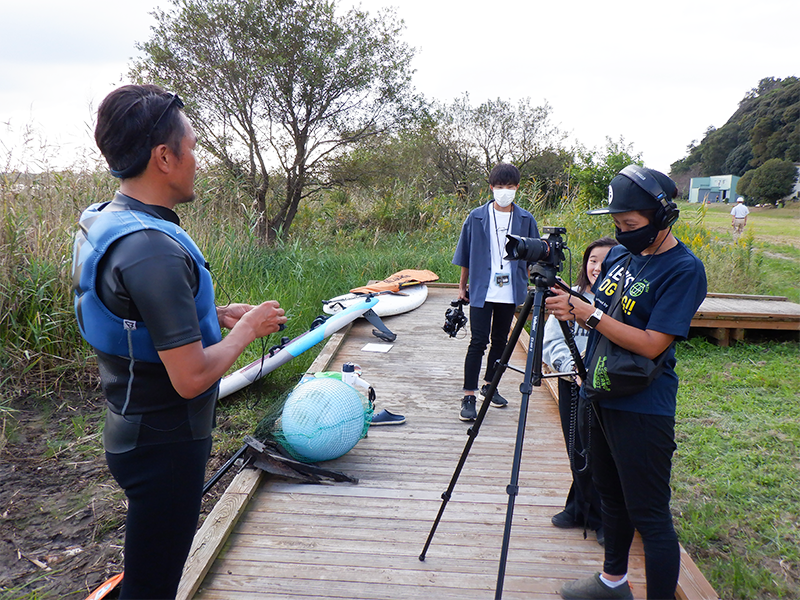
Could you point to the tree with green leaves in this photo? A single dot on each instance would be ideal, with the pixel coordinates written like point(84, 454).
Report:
point(471, 140)
point(280, 83)
point(743, 185)
point(772, 181)
point(598, 167)
point(548, 176)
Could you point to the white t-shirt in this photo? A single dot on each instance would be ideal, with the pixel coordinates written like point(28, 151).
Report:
point(740, 211)
point(499, 226)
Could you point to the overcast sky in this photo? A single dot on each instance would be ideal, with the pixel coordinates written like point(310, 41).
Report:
point(656, 73)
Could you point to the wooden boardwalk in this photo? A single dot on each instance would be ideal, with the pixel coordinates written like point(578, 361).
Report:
point(363, 541)
point(726, 317)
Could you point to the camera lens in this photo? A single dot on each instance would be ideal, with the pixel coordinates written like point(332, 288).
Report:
point(527, 249)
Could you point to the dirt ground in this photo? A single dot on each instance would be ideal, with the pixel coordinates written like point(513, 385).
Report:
point(61, 513)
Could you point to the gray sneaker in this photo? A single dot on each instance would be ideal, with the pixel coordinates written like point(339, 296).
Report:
point(468, 412)
point(497, 399)
point(593, 588)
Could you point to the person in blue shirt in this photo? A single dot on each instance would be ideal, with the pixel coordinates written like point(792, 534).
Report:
point(493, 285)
point(633, 437)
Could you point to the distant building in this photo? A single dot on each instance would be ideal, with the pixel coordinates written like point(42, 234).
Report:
point(717, 188)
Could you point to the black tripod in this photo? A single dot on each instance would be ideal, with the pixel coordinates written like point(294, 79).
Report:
point(543, 278)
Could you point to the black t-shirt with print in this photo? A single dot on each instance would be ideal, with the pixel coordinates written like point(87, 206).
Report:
point(662, 293)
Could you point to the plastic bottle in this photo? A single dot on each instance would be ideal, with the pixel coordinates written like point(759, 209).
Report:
point(349, 374)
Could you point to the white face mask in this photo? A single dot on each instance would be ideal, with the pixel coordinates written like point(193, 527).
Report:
point(503, 197)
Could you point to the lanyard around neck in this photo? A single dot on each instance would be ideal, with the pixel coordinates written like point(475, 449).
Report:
point(497, 232)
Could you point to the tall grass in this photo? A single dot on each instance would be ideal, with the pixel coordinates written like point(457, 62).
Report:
point(40, 341)
point(339, 240)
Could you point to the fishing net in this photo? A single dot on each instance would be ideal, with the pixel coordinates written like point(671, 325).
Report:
point(321, 419)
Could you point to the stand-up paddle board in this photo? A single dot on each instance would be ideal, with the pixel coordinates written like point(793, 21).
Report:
point(392, 302)
point(260, 367)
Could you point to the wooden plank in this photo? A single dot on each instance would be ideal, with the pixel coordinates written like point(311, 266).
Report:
point(746, 297)
point(210, 538)
point(323, 359)
point(549, 383)
point(692, 585)
point(212, 535)
point(235, 588)
point(240, 560)
point(415, 491)
point(721, 335)
point(748, 323)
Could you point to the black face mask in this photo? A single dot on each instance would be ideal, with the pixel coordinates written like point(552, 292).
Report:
point(639, 239)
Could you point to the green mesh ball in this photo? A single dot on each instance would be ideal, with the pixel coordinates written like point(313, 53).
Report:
point(322, 419)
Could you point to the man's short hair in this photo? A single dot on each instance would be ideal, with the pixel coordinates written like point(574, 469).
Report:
point(504, 174)
point(131, 121)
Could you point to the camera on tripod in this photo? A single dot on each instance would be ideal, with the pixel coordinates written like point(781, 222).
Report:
point(547, 250)
point(454, 318)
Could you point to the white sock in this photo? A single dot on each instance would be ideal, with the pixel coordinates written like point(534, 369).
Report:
point(614, 584)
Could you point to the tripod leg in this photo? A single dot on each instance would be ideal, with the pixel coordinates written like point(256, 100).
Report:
point(573, 350)
point(533, 377)
point(472, 433)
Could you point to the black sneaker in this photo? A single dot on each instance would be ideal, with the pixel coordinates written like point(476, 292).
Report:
point(601, 536)
point(497, 399)
point(564, 520)
point(468, 412)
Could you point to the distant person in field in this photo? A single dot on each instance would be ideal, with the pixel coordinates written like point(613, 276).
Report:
point(493, 285)
point(739, 217)
point(632, 438)
point(144, 300)
point(582, 508)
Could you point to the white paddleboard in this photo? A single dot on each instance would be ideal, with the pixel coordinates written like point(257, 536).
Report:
point(261, 366)
point(408, 298)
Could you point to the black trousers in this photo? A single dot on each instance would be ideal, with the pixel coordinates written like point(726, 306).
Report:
point(583, 502)
point(164, 486)
point(631, 470)
point(492, 323)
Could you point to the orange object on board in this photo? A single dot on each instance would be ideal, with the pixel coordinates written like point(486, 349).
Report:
point(105, 588)
point(401, 279)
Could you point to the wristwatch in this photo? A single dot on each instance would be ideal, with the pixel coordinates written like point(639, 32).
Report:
point(594, 319)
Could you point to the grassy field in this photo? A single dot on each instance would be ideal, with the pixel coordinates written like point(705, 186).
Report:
point(737, 469)
point(775, 226)
point(736, 474)
point(774, 232)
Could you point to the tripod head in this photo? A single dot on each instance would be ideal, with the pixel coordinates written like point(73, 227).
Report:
point(544, 277)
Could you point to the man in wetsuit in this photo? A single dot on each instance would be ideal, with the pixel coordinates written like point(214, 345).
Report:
point(144, 300)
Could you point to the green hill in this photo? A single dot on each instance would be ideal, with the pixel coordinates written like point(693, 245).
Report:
point(766, 126)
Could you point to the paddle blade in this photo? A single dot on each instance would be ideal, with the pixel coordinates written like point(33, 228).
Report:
point(105, 588)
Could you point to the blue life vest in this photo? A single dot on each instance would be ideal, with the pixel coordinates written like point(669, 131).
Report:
point(99, 326)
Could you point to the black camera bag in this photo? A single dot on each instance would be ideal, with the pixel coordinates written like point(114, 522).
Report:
point(614, 372)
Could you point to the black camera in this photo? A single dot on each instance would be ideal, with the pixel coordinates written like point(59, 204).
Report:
point(547, 250)
point(454, 318)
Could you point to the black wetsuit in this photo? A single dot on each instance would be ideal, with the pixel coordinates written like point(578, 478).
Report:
point(158, 450)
